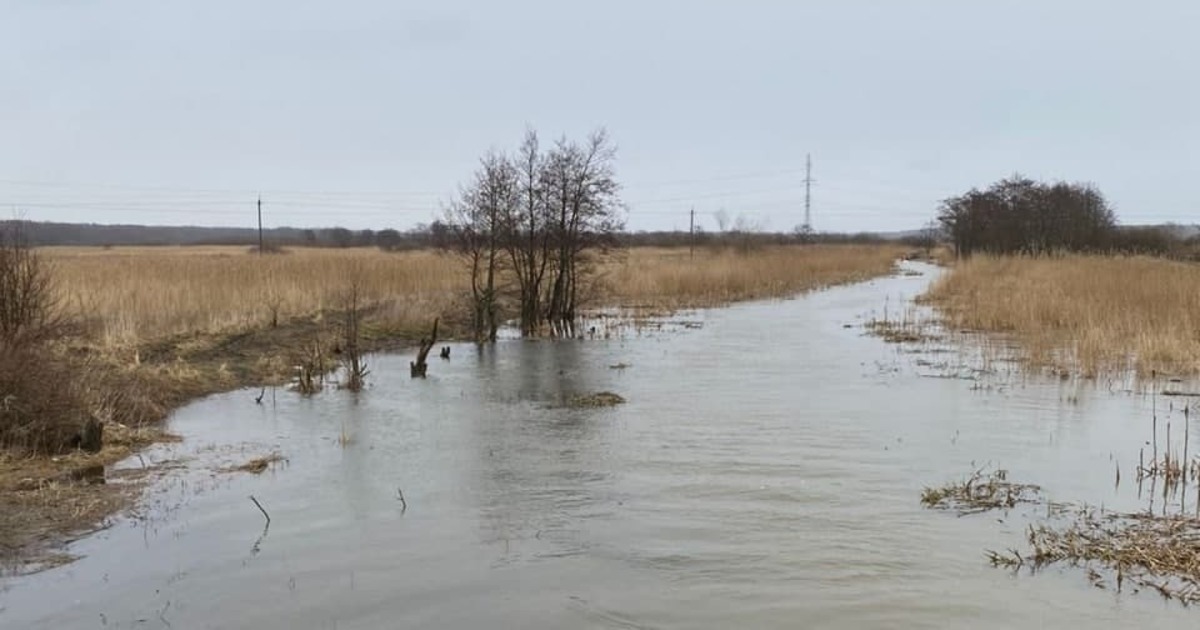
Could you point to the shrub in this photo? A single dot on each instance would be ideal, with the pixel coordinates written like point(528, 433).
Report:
point(41, 409)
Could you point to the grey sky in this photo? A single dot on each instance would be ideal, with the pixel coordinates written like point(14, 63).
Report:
point(368, 114)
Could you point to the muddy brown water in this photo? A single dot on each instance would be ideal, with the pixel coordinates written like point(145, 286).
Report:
point(764, 473)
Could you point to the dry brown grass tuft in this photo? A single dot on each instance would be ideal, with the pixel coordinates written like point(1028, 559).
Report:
point(1087, 314)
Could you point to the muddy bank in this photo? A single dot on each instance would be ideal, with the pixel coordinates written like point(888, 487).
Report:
point(48, 501)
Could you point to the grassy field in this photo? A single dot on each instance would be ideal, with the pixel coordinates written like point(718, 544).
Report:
point(1084, 314)
point(155, 327)
point(672, 278)
point(126, 296)
point(130, 296)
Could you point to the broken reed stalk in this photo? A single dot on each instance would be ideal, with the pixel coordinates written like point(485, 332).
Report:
point(261, 509)
point(1186, 431)
point(1154, 413)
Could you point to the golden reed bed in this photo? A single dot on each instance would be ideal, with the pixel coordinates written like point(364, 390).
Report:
point(1086, 314)
point(131, 295)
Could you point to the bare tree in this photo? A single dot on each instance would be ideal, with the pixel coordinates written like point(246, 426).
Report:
point(29, 310)
point(527, 237)
point(477, 221)
point(537, 220)
point(583, 196)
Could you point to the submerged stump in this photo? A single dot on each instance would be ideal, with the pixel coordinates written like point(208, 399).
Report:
point(418, 368)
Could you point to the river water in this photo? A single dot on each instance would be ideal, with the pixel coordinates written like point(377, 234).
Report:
point(764, 473)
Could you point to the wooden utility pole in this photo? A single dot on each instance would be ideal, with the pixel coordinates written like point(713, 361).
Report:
point(260, 230)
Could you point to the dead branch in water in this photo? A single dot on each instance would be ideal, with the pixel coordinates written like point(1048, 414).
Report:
point(418, 368)
point(261, 509)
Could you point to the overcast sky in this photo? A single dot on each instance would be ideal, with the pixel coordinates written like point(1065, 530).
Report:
point(368, 114)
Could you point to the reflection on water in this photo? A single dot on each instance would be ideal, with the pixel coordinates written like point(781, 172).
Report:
point(765, 472)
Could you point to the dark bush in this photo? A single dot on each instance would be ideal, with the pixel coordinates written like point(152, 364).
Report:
point(1019, 215)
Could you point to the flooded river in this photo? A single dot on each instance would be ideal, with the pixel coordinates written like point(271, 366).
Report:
point(764, 473)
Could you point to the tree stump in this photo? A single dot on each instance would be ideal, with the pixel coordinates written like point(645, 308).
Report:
point(91, 438)
point(418, 368)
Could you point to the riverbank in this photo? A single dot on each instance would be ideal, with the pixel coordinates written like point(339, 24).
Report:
point(165, 326)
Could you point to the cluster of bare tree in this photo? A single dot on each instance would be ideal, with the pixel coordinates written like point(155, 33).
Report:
point(1018, 215)
point(529, 224)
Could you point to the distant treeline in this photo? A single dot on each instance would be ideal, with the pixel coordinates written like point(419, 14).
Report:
point(96, 235)
point(1022, 216)
point(435, 234)
point(1172, 241)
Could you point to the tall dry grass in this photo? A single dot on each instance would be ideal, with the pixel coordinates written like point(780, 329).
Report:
point(127, 295)
point(1088, 314)
point(130, 295)
point(672, 278)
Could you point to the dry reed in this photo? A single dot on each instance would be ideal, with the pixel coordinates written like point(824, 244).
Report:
point(131, 295)
point(1086, 314)
point(660, 278)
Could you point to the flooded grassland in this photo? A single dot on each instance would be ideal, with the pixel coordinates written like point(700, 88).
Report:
point(765, 469)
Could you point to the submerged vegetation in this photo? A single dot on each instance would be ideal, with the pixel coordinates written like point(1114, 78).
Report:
point(979, 493)
point(1159, 551)
point(598, 399)
point(1157, 548)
